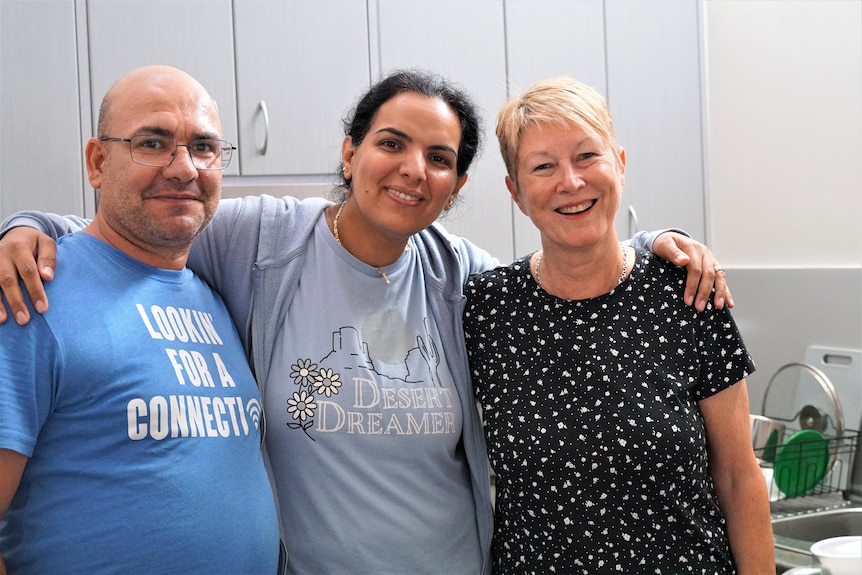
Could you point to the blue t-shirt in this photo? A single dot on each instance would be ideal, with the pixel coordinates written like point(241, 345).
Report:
point(133, 400)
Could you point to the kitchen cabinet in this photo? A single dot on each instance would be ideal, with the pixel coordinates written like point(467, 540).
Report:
point(572, 43)
point(465, 42)
point(193, 35)
point(644, 57)
point(654, 88)
point(284, 74)
point(40, 142)
point(299, 66)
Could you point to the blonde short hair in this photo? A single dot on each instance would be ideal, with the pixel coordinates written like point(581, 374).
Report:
point(560, 101)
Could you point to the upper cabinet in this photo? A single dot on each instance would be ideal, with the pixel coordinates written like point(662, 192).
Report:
point(282, 72)
point(465, 42)
point(572, 43)
point(299, 66)
point(645, 58)
point(654, 90)
point(286, 72)
point(42, 148)
point(192, 35)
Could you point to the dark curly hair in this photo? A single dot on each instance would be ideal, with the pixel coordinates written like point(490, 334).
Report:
point(358, 121)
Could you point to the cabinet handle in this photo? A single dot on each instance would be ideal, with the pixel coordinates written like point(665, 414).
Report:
point(262, 108)
point(633, 219)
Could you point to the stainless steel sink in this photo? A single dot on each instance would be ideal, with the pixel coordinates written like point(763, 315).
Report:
point(798, 532)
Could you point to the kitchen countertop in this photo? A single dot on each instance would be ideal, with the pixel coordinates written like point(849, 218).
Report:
point(785, 560)
point(786, 557)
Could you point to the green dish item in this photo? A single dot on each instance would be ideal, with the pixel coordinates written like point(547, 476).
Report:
point(801, 462)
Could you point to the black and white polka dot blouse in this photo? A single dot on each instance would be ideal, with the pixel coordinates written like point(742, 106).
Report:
point(592, 422)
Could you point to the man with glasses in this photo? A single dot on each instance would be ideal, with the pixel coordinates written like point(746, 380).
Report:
point(130, 423)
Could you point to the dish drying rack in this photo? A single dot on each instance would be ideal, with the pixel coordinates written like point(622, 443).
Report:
point(807, 484)
point(809, 461)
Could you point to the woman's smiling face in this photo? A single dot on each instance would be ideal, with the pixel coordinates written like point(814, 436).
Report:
point(568, 183)
point(404, 173)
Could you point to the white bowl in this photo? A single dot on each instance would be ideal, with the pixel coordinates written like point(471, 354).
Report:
point(840, 555)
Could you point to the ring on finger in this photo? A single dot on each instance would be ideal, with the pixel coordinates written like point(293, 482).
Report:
point(717, 269)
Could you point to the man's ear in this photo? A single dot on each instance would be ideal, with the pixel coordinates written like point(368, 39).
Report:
point(513, 191)
point(96, 154)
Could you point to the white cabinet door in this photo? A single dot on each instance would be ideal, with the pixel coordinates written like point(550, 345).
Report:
point(654, 91)
point(463, 41)
point(41, 149)
point(299, 64)
point(193, 35)
point(545, 39)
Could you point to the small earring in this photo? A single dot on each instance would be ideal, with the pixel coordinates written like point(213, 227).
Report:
point(450, 203)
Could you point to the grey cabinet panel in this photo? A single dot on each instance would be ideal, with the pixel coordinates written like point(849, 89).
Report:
point(193, 35)
point(42, 149)
point(463, 41)
point(645, 58)
point(306, 61)
point(545, 39)
point(654, 91)
point(548, 38)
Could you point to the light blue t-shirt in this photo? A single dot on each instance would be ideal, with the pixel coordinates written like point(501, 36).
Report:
point(365, 433)
point(133, 400)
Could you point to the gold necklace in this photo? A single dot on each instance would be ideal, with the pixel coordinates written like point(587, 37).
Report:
point(338, 239)
point(542, 255)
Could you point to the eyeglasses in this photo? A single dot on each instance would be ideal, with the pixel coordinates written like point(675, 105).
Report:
point(160, 151)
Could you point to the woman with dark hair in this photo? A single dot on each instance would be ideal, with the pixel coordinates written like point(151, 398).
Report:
point(351, 316)
point(358, 122)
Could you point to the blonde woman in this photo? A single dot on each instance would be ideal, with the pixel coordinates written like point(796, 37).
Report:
point(616, 417)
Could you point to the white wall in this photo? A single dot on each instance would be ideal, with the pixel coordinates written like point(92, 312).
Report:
point(784, 110)
point(784, 185)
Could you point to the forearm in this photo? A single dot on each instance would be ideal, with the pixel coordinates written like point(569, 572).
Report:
point(645, 240)
point(745, 504)
point(53, 225)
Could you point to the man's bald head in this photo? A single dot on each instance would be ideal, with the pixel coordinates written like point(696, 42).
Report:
point(155, 77)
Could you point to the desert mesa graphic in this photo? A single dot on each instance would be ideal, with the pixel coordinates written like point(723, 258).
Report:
point(401, 396)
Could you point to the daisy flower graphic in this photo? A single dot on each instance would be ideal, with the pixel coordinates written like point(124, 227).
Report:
point(327, 382)
point(301, 405)
point(303, 372)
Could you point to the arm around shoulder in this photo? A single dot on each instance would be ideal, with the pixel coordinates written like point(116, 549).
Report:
point(702, 269)
point(28, 252)
point(53, 225)
point(645, 240)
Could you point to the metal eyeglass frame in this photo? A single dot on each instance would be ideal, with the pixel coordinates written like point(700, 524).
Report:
point(226, 146)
